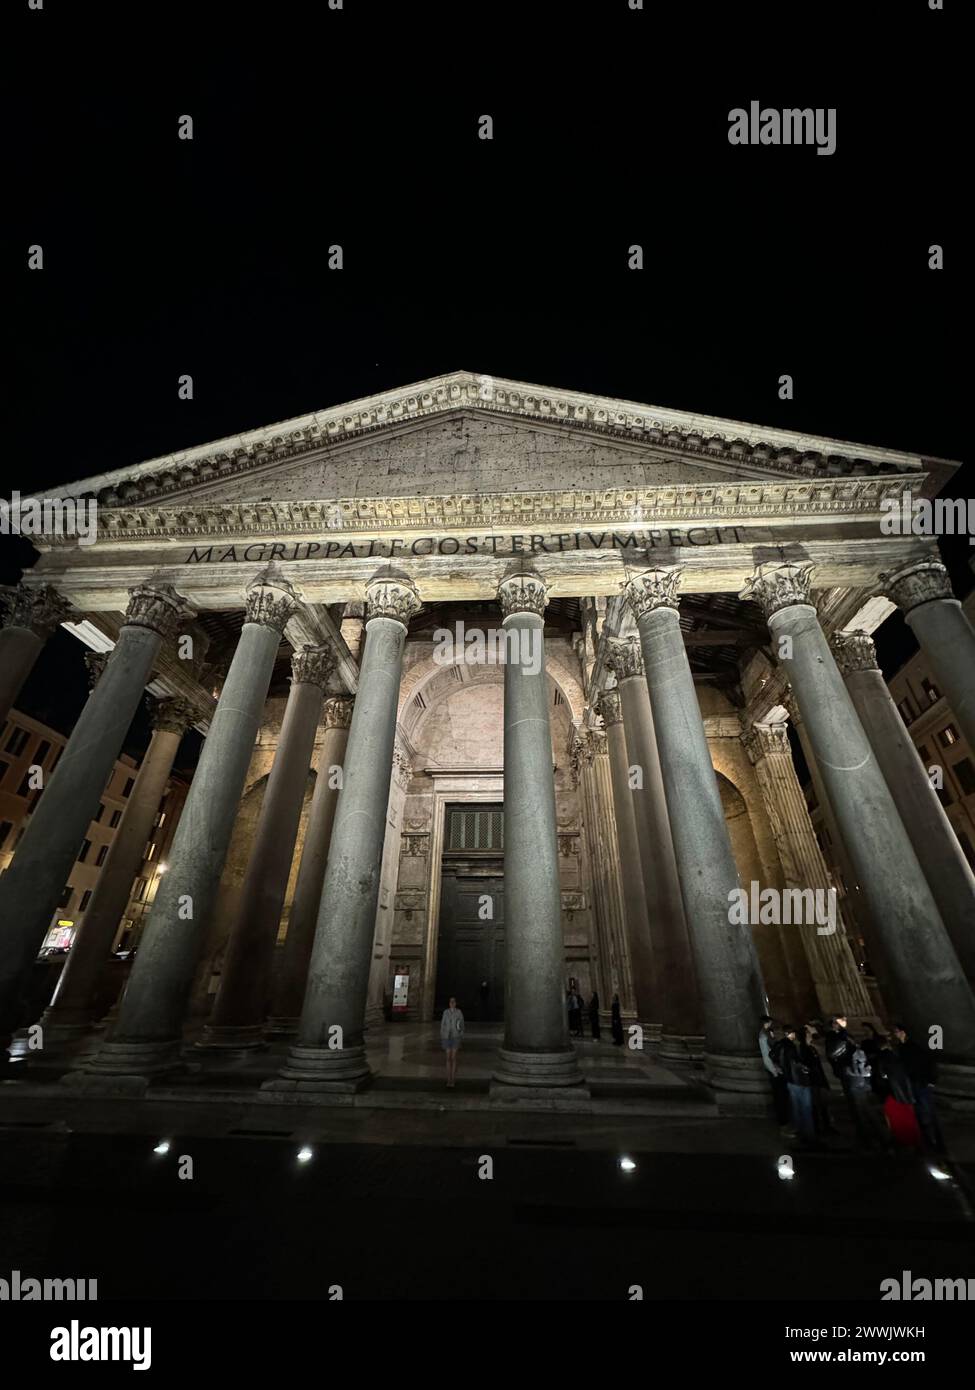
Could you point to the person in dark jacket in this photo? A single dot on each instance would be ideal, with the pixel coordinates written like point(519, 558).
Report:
point(777, 1083)
point(594, 1016)
point(919, 1065)
point(574, 1001)
point(616, 1024)
point(820, 1085)
point(787, 1056)
point(898, 1097)
point(865, 1104)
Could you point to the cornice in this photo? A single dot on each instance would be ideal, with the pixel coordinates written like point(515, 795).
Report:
point(692, 436)
point(639, 509)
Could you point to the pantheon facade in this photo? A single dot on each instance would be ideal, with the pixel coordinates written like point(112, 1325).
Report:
point(379, 813)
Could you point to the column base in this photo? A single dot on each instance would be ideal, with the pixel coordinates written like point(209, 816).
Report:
point(537, 1069)
point(65, 1025)
point(956, 1084)
point(282, 1027)
point(310, 1069)
point(140, 1061)
point(375, 1018)
point(681, 1047)
point(740, 1084)
point(229, 1038)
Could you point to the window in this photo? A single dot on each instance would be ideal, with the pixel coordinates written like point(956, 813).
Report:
point(130, 783)
point(945, 795)
point(5, 828)
point(948, 735)
point(907, 710)
point(482, 829)
point(65, 896)
point(931, 691)
point(57, 757)
point(4, 768)
point(966, 845)
point(924, 753)
point(150, 850)
point(100, 812)
point(25, 787)
point(140, 889)
point(965, 773)
point(43, 748)
point(17, 742)
point(85, 900)
point(103, 851)
point(83, 852)
point(116, 817)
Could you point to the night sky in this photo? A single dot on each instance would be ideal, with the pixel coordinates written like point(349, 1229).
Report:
point(359, 127)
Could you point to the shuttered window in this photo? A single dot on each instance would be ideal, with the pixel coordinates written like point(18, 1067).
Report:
point(479, 829)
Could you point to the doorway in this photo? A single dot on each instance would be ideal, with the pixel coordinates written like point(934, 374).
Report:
point(470, 942)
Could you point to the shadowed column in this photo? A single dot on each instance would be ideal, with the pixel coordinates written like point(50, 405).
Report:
point(536, 1051)
point(148, 1035)
point(32, 616)
point(919, 968)
point(31, 887)
point(72, 1009)
point(240, 1007)
point(731, 991)
point(290, 986)
point(329, 1054)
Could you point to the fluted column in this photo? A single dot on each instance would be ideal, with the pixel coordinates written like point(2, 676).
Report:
point(919, 967)
point(290, 986)
point(675, 984)
point(536, 1051)
point(730, 986)
point(590, 755)
point(32, 615)
point(148, 1035)
point(935, 843)
point(329, 1054)
point(239, 1010)
point(72, 1010)
point(32, 885)
point(628, 850)
point(839, 986)
point(923, 593)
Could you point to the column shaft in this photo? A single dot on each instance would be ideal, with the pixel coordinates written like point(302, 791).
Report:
point(610, 884)
point(947, 638)
point(33, 615)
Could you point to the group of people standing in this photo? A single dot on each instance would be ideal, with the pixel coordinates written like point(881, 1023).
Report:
point(887, 1082)
point(578, 1008)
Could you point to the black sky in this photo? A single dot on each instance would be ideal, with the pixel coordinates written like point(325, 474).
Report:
point(358, 127)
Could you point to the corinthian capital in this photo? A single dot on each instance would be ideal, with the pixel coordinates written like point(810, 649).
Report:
point(761, 740)
point(522, 593)
point(337, 712)
point(625, 658)
point(391, 596)
point(96, 663)
point(610, 707)
point(313, 666)
point(652, 589)
point(774, 587)
point(172, 716)
point(270, 600)
point(39, 608)
point(912, 585)
point(854, 651)
point(158, 607)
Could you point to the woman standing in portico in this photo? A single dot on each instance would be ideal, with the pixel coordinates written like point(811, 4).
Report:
point(451, 1033)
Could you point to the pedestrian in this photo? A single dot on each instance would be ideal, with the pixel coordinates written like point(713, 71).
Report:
point(865, 1104)
point(787, 1057)
point(616, 1022)
point(898, 1098)
point(920, 1067)
point(575, 1011)
point(822, 1122)
point(594, 1016)
point(451, 1034)
point(777, 1082)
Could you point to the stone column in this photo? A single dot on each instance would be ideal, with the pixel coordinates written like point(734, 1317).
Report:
point(72, 1010)
point(290, 986)
point(239, 1010)
point(32, 885)
point(536, 1051)
point(839, 986)
point(922, 591)
point(590, 757)
point(919, 967)
point(329, 1054)
point(730, 986)
point(148, 1035)
point(628, 850)
point(935, 843)
point(676, 986)
point(32, 616)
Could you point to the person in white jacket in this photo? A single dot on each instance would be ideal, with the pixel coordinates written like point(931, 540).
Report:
point(451, 1033)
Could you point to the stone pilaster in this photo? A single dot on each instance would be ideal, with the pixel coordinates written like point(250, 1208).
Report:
point(731, 990)
point(31, 886)
point(923, 593)
point(329, 1054)
point(240, 1008)
point(31, 614)
point(839, 986)
point(148, 1035)
point(935, 843)
point(919, 968)
point(536, 1053)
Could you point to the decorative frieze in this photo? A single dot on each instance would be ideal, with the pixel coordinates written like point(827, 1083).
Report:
point(39, 608)
point(625, 658)
point(774, 587)
point(522, 593)
point(158, 607)
point(854, 651)
point(402, 768)
point(313, 666)
point(652, 589)
point(915, 584)
point(392, 597)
